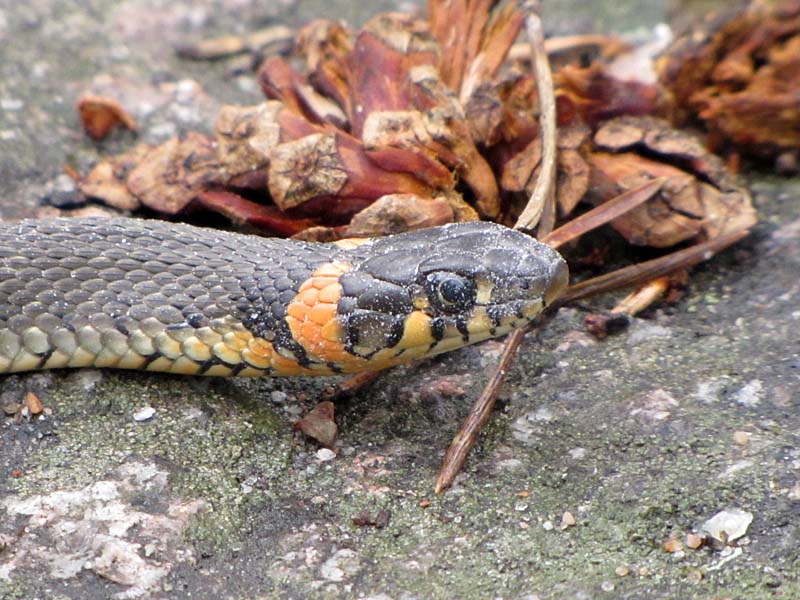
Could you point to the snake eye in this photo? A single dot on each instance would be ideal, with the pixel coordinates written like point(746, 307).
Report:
point(449, 292)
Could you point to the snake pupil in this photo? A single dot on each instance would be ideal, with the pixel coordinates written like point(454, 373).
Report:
point(451, 293)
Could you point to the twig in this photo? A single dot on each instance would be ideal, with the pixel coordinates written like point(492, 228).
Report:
point(351, 385)
point(467, 435)
point(539, 210)
point(542, 201)
point(642, 272)
point(608, 211)
point(642, 297)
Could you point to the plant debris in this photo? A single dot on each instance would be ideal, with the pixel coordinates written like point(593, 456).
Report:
point(403, 125)
point(738, 73)
point(409, 123)
point(100, 114)
point(366, 519)
point(319, 425)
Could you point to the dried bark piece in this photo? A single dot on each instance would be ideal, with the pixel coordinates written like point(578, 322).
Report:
point(107, 181)
point(302, 169)
point(399, 140)
point(657, 136)
point(386, 53)
point(600, 215)
point(100, 114)
point(275, 39)
point(172, 174)
point(319, 425)
point(739, 74)
point(281, 82)
point(472, 52)
point(325, 46)
point(673, 216)
point(572, 180)
point(725, 205)
point(245, 212)
point(517, 171)
point(33, 403)
point(245, 136)
point(396, 213)
point(462, 211)
point(445, 122)
point(590, 95)
point(320, 233)
point(572, 176)
point(726, 211)
point(332, 165)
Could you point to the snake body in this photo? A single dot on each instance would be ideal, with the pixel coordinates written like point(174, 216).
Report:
point(141, 294)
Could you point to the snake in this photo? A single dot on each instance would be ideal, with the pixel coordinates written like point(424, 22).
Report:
point(147, 294)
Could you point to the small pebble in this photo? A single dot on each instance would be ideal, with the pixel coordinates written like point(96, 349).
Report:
point(87, 379)
point(673, 545)
point(325, 454)
point(567, 519)
point(622, 571)
point(607, 586)
point(695, 575)
point(33, 403)
point(277, 396)
point(577, 453)
point(12, 408)
point(9, 104)
point(750, 394)
point(547, 525)
point(64, 193)
point(741, 438)
point(728, 525)
point(693, 541)
point(144, 414)
point(294, 410)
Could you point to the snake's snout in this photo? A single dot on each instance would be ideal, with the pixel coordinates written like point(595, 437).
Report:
point(558, 282)
point(526, 270)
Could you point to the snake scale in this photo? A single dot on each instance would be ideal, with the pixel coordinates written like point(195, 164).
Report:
point(146, 294)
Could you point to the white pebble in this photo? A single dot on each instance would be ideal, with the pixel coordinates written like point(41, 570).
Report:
point(728, 525)
point(325, 454)
point(144, 414)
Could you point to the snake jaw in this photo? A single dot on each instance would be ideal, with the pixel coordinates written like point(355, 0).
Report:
point(476, 281)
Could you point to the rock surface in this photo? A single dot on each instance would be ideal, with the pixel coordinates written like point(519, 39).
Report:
point(599, 454)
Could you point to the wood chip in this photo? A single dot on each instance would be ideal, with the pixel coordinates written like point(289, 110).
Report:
point(319, 425)
point(100, 114)
point(33, 403)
